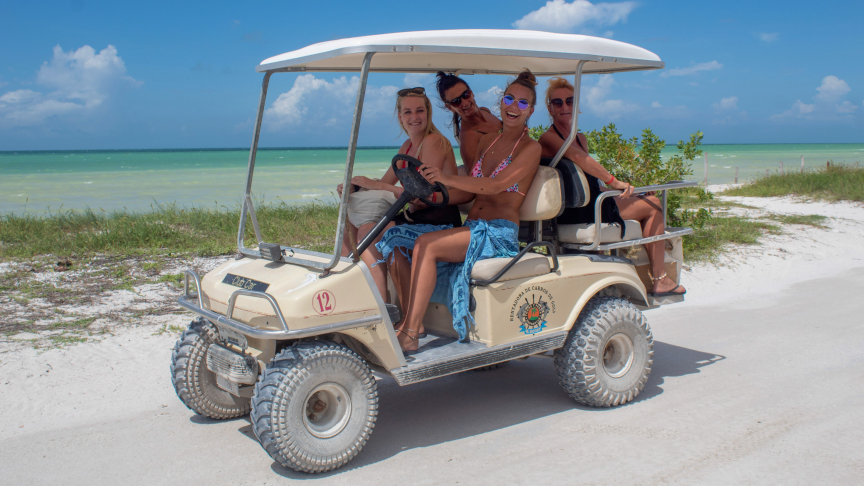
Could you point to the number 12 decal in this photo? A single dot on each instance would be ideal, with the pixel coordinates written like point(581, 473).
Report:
point(323, 302)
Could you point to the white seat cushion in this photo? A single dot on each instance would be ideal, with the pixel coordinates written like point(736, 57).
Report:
point(609, 233)
point(532, 264)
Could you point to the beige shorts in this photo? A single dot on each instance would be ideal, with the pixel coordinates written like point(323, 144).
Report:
point(366, 207)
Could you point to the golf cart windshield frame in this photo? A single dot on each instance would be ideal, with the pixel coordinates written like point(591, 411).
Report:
point(296, 255)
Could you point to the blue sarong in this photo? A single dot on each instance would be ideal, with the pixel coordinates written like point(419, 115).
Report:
point(489, 239)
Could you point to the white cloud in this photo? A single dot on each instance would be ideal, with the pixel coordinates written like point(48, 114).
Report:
point(332, 102)
point(832, 89)
point(656, 104)
point(705, 66)
point(826, 106)
point(766, 37)
point(560, 16)
point(491, 98)
point(81, 81)
point(596, 100)
point(412, 80)
point(846, 107)
point(730, 103)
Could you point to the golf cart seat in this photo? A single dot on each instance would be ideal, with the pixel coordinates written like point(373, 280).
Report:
point(576, 195)
point(609, 232)
point(544, 200)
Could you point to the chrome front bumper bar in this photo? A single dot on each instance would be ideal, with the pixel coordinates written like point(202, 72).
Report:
point(194, 303)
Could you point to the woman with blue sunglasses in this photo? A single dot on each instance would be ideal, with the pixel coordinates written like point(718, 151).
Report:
point(496, 184)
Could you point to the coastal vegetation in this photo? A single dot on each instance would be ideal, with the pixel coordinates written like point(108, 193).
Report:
point(833, 183)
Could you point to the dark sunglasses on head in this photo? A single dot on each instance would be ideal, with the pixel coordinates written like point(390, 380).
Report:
point(558, 102)
point(458, 100)
point(509, 99)
point(418, 90)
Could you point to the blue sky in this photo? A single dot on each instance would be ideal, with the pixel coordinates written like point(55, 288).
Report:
point(112, 75)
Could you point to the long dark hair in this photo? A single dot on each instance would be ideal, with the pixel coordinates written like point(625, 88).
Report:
point(445, 82)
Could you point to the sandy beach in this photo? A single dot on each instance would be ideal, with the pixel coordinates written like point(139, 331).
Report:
point(758, 379)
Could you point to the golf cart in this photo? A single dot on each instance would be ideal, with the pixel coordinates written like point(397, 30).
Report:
point(298, 337)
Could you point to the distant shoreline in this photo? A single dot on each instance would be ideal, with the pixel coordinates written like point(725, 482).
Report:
point(370, 147)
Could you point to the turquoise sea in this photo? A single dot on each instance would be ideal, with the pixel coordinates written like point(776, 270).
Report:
point(52, 181)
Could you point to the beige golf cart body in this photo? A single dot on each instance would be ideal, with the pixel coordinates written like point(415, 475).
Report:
point(257, 303)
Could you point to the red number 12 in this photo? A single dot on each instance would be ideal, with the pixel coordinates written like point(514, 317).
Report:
point(324, 305)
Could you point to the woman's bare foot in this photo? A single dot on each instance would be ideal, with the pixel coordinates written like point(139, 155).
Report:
point(667, 285)
point(422, 329)
point(409, 340)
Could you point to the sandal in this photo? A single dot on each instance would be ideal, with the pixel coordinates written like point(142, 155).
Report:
point(397, 324)
point(405, 332)
point(669, 293)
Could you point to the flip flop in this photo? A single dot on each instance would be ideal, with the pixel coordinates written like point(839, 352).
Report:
point(668, 294)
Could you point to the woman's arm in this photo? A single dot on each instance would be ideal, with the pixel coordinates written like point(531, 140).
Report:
point(551, 143)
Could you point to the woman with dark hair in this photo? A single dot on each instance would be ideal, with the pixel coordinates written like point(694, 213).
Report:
point(646, 209)
point(470, 122)
point(442, 256)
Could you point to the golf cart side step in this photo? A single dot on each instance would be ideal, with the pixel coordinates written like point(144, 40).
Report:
point(440, 356)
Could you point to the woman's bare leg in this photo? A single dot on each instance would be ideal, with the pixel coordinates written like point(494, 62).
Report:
point(439, 246)
point(371, 256)
point(346, 247)
point(400, 272)
point(648, 210)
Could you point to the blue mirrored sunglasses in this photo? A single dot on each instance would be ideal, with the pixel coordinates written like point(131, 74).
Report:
point(522, 104)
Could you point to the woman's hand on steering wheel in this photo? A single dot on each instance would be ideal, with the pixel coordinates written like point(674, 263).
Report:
point(433, 174)
point(625, 188)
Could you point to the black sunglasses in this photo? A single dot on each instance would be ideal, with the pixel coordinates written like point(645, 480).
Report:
point(558, 102)
point(418, 90)
point(458, 100)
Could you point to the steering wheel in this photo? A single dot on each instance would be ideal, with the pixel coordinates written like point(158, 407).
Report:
point(415, 184)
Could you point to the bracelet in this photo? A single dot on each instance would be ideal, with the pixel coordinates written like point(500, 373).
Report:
point(610, 180)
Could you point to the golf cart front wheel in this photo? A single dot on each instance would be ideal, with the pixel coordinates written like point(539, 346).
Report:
point(194, 383)
point(314, 406)
point(608, 354)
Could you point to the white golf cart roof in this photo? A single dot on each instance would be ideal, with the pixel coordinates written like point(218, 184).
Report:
point(468, 52)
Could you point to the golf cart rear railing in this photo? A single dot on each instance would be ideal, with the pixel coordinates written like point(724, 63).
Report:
point(675, 232)
point(188, 301)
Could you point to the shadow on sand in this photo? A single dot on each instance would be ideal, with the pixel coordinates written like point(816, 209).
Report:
point(476, 402)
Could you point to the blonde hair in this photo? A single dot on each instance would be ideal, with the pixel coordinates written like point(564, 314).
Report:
point(430, 127)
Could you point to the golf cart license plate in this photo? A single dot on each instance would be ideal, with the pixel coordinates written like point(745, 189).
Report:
point(245, 283)
point(232, 337)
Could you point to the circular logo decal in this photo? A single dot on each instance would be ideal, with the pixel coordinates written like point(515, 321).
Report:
point(323, 302)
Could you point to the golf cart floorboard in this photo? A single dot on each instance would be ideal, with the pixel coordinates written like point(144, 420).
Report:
point(440, 356)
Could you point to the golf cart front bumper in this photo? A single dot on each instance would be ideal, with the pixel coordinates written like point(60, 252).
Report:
point(194, 303)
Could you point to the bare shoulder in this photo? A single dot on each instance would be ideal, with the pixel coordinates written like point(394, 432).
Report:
point(530, 148)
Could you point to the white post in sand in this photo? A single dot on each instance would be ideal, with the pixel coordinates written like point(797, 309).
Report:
point(781, 168)
point(802, 164)
point(736, 175)
point(706, 170)
point(766, 172)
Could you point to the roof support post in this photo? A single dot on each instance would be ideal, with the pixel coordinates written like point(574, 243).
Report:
point(349, 167)
point(253, 152)
point(574, 123)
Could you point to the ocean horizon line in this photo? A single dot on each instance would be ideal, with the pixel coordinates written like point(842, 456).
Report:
point(368, 147)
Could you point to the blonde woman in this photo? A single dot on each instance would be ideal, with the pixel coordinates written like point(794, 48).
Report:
point(643, 208)
point(367, 206)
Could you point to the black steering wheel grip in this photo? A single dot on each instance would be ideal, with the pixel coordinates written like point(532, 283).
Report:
point(415, 184)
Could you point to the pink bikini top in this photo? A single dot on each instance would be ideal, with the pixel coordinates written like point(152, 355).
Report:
point(478, 167)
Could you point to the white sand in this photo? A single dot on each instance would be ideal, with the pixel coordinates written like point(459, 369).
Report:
point(121, 380)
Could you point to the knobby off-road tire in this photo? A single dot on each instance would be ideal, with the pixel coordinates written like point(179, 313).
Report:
point(608, 354)
point(314, 406)
point(194, 383)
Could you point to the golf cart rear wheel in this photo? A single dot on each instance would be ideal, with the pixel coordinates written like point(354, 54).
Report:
point(314, 406)
point(608, 354)
point(194, 383)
